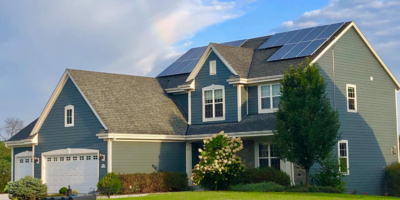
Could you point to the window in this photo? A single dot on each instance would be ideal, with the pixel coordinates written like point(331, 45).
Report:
point(75, 158)
point(267, 156)
point(343, 152)
point(88, 157)
point(55, 158)
point(81, 157)
point(21, 160)
point(68, 158)
point(69, 116)
point(94, 157)
point(213, 67)
point(48, 159)
point(214, 103)
point(61, 158)
point(351, 98)
point(268, 98)
point(26, 160)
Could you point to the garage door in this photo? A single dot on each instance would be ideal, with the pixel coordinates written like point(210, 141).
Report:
point(78, 171)
point(24, 167)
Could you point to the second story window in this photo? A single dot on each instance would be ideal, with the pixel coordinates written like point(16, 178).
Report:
point(351, 98)
point(214, 103)
point(213, 67)
point(268, 98)
point(69, 116)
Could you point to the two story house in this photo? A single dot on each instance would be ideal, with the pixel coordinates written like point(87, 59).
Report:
point(95, 123)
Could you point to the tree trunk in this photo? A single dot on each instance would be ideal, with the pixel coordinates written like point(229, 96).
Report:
point(215, 186)
point(307, 173)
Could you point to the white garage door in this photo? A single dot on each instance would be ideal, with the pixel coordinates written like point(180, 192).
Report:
point(78, 171)
point(24, 167)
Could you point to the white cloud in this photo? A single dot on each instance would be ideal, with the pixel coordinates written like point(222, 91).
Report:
point(40, 39)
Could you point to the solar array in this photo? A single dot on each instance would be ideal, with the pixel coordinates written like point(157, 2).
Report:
point(188, 61)
point(300, 43)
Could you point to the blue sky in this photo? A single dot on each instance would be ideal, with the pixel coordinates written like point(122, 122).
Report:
point(40, 39)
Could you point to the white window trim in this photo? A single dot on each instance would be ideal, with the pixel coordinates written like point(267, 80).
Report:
point(355, 99)
point(213, 87)
point(347, 148)
point(69, 107)
point(271, 110)
point(257, 154)
point(213, 65)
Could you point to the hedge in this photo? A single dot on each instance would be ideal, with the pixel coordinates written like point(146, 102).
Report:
point(258, 187)
point(264, 174)
point(153, 182)
point(392, 179)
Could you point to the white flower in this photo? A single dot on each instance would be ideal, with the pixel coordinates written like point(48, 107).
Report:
point(200, 150)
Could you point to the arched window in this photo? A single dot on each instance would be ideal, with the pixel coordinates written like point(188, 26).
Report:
point(69, 116)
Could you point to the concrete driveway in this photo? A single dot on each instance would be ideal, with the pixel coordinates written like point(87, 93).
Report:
point(4, 197)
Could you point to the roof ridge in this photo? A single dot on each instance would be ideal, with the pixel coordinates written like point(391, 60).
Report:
point(112, 73)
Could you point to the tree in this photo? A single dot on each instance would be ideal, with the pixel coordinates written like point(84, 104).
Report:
point(306, 125)
point(11, 127)
point(5, 166)
point(218, 162)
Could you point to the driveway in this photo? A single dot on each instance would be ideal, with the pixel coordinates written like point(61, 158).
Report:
point(4, 197)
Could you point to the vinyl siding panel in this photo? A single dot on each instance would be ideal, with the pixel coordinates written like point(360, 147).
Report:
point(253, 100)
point(372, 130)
point(147, 157)
point(53, 135)
point(20, 150)
point(182, 100)
point(204, 79)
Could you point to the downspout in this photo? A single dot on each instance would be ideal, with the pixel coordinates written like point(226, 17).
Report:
point(12, 164)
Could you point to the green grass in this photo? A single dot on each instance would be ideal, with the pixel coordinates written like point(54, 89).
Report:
point(254, 195)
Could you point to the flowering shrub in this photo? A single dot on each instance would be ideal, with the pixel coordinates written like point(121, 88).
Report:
point(218, 162)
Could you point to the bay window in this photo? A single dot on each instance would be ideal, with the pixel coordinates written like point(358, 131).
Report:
point(268, 98)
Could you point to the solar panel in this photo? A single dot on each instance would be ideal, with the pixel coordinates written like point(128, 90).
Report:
point(272, 40)
point(188, 61)
point(300, 43)
point(281, 52)
point(285, 39)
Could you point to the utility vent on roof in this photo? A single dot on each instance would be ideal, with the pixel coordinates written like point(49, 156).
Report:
point(300, 43)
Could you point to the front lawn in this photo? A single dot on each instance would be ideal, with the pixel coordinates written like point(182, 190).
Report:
point(255, 195)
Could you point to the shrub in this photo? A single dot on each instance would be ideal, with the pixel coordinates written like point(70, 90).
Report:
point(75, 192)
point(258, 187)
point(218, 162)
point(312, 188)
point(330, 174)
point(63, 190)
point(27, 188)
point(264, 174)
point(112, 181)
point(392, 179)
point(175, 181)
point(153, 182)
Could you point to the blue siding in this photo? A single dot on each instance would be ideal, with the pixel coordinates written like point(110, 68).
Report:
point(53, 135)
point(372, 130)
point(204, 79)
point(253, 99)
point(182, 100)
point(17, 151)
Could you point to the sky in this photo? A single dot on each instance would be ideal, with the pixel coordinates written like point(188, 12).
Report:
point(40, 39)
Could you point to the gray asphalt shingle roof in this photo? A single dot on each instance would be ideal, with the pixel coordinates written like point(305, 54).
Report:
point(260, 122)
point(24, 133)
point(131, 104)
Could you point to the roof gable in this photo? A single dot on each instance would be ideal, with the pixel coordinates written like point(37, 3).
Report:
point(236, 59)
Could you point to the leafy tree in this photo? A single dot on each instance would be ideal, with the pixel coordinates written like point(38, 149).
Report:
point(5, 165)
point(218, 162)
point(306, 127)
